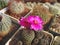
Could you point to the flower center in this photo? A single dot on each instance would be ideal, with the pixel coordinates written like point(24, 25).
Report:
point(35, 21)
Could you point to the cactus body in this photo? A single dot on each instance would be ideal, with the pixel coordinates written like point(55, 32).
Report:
point(42, 12)
point(5, 25)
point(28, 36)
point(2, 4)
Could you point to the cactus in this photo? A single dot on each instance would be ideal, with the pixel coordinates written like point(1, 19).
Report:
point(19, 43)
point(17, 7)
point(43, 42)
point(57, 4)
point(35, 41)
point(56, 40)
point(27, 36)
point(5, 24)
point(7, 1)
point(2, 4)
point(38, 36)
point(42, 12)
point(55, 24)
point(31, 5)
point(54, 9)
point(14, 41)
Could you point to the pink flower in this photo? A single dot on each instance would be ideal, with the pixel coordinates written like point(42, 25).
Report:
point(32, 22)
point(24, 22)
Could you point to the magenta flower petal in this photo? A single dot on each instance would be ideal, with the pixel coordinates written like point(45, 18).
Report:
point(35, 18)
point(24, 22)
point(30, 18)
point(36, 27)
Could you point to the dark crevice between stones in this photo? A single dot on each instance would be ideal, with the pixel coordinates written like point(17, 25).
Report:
point(0, 18)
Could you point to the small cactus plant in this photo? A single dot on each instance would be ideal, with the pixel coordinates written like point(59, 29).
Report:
point(54, 9)
point(42, 12)
point(5, 25)
point(3, 4)
point(18, 8)
point(55, 24)
point(27, 36)
point(7, 1)
point(56, 40)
